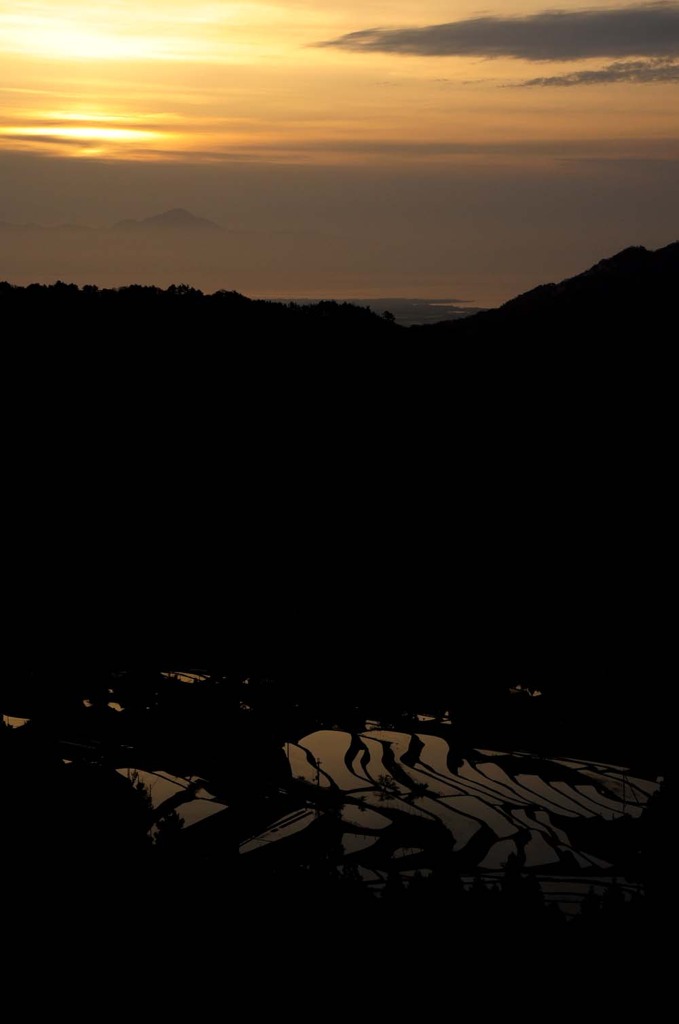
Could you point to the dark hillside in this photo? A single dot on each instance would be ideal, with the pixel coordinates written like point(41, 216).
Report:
point(619, 299)
point(143, 313)
point(188, 485)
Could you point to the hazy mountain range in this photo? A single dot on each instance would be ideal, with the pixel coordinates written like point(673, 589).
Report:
point(170, 220)
point(176, 219)
point(177, 246)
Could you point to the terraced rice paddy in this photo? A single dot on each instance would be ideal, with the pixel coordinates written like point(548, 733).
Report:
point(399, 798)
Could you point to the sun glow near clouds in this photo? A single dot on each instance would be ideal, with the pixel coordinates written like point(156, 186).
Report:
point(163, 77)
point(166, 80)
point(129, 31)
point(142, 136)
point(85, 131)
point(152, 71)
point(95, 133)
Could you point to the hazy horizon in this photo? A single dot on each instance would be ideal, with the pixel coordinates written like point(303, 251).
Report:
point(354, 152)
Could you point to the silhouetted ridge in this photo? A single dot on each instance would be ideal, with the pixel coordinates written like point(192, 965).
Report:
point(631, 291)
point(135, 310)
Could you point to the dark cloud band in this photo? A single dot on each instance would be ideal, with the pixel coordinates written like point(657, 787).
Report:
point(635, 71)
point(643, 30)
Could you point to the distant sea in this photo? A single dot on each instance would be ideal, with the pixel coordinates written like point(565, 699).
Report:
point(406, 311)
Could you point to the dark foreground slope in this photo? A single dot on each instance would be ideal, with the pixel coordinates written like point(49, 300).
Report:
point(144, 314)
point(209, 481)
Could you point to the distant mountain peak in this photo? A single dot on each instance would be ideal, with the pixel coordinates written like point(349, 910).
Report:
point(179, 217)
point(176, 218)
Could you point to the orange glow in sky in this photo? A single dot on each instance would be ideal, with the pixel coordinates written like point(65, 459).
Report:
point(486, 97)
point(195, 70)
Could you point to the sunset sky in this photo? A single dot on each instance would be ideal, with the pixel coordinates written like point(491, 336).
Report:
point(434, 149)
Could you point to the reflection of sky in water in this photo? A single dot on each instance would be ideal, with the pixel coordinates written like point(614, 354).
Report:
point(196, 803)
point(496, 858)
point(14, 722)
point(198, 810)
point(185, 677)
point(400, 741)
point(370, 876)
point(492, 778)
point(538, 851)
point(587, 805)
point(300, 766)
point(281, 829)
point(159, 786)
point(303, 768)
point(485, 792)
point(462, 826)
point(352, 842)
point(490, 802)
point(434, 754)
point(330, 747)
point(606, 804)
point(644, 786)
point(354, 815)
point(544, 818)
point(385, 803)
point(501, 824)
point(375, 768)
point(545, 796)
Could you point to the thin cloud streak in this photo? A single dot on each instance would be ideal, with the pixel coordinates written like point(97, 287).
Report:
point(650, 30)
point(172, 147)
point(631, 72)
